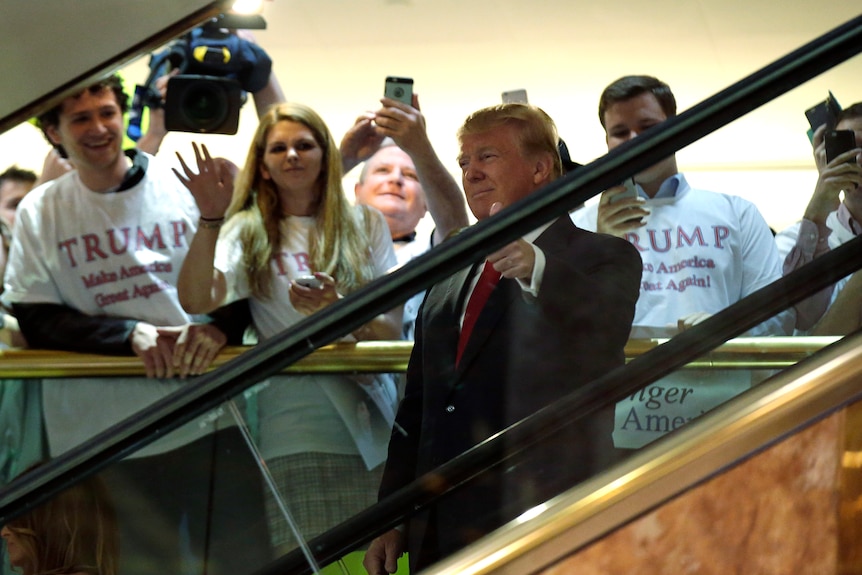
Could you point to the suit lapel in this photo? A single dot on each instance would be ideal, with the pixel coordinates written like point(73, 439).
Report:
point(441, 314)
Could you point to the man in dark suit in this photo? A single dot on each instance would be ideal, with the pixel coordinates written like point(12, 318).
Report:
point(558, 318)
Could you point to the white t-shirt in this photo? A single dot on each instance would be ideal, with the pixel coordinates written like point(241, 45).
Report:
point(324, 413)
point(702, 251)
point(115, 254)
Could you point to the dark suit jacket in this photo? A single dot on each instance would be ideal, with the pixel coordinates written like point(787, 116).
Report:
point(524, 353)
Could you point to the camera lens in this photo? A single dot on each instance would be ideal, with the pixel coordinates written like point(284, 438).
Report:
point(205, 105)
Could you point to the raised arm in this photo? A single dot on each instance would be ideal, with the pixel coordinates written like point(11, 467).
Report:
point(360, 142)
point(812, 237)
point(152, 139)
point(406, 126)
point(202, 288)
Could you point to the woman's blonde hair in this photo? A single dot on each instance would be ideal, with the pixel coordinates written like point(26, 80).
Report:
point(339, 244)
point(75, 532)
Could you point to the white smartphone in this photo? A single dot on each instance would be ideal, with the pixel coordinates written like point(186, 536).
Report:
point(400, 89)
point(309, 282)
point(631, 191)
point(515, 96)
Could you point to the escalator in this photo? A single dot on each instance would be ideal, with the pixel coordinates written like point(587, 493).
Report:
point(589, 521)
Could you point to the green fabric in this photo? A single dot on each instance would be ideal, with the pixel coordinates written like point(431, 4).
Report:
point(351, 564)
point(22, 434)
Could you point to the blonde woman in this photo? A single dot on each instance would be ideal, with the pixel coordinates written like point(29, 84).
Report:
point(292, 244)
point(75, 533)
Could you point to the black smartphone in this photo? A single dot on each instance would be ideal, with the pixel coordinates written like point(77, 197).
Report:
point(826, 112)
point(838, 142)
point(400, 89)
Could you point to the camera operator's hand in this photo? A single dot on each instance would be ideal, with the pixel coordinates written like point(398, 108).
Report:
point(360, 142)
point(271, 93)
point(151, 141)
point(211, 186)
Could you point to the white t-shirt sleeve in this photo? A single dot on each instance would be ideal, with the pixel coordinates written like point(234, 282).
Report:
point(229, 261)
point(28, 278)
point(382, 250)
point(761, 265)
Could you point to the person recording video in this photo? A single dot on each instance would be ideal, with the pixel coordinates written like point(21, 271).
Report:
point(828, 222)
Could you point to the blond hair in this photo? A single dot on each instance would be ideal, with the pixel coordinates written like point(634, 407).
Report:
point(538, 133)
point(75, 532)
point(339, 242)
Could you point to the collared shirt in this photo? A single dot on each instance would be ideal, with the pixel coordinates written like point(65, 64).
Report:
point(806, 241)
point(668, 188)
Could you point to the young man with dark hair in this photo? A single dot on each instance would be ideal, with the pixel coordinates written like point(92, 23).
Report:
point(93, 268)
point(702, 251)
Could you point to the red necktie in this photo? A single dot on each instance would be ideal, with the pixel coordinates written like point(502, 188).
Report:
point(483, 289)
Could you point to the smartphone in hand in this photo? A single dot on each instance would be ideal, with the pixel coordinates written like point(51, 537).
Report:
point(400, 89)
point(826, 112)
point(309, 282)
point(630, 192)
point(838, 142)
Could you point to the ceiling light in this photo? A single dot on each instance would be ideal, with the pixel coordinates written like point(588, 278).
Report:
point(248, 6)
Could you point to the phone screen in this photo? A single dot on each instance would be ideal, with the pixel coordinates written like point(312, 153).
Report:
point(838, 142)
point(400, 89)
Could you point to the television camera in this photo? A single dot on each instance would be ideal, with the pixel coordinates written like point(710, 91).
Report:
point(216, 71)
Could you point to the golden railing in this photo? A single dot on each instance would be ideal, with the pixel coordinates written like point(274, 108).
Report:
point(392, 357)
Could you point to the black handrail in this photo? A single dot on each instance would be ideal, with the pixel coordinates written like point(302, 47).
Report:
point(268, 358)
